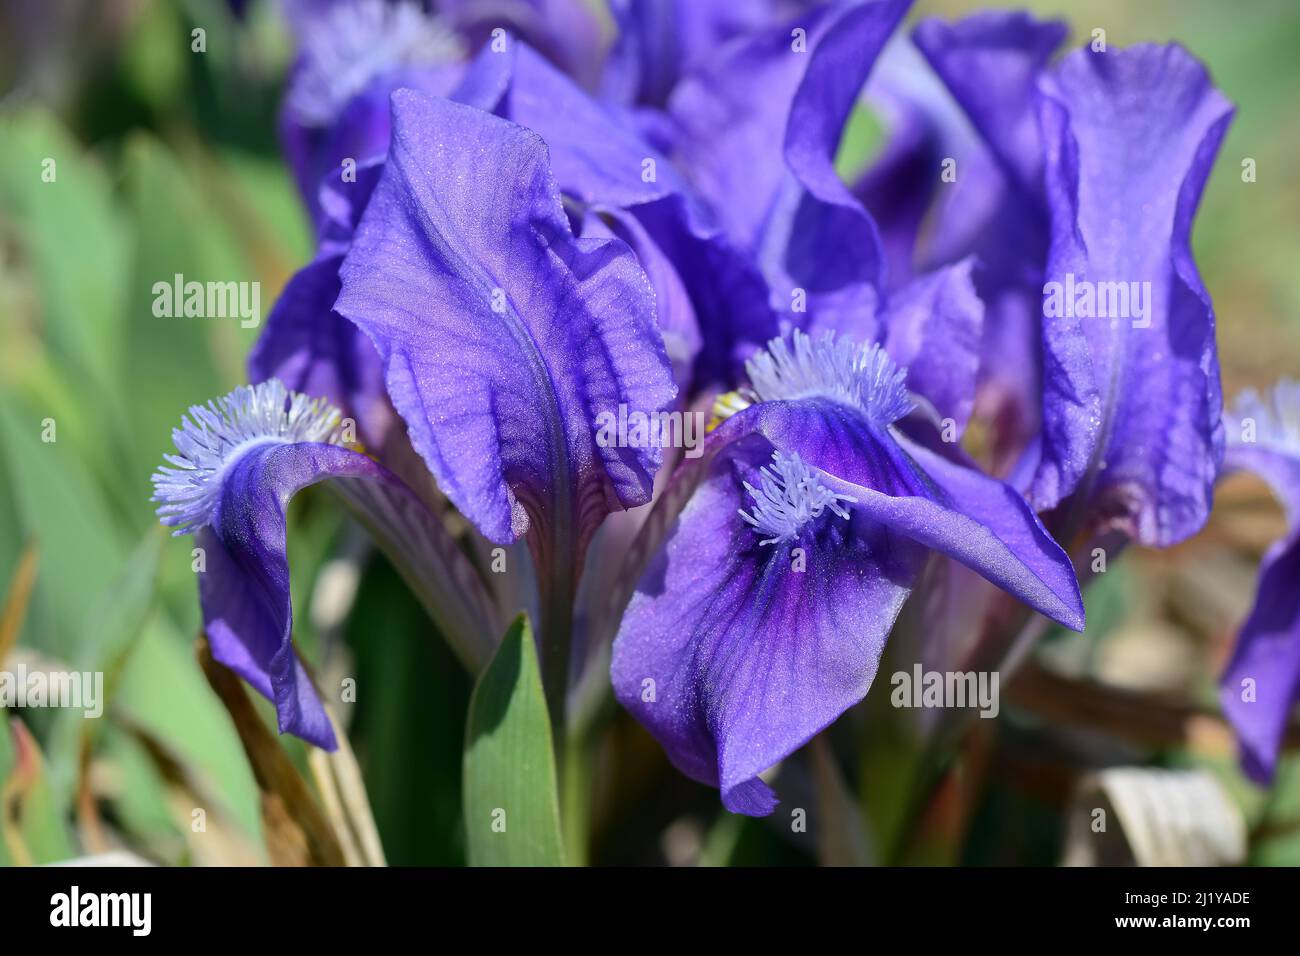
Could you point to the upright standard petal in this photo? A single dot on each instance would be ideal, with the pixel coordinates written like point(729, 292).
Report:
point(922, 126)
point(1261, 684)
point(568, 32)
point(1131, 402)
point(765, 163)
point(991, 62)
point(763, 615)
point(660, 41)
point(601, 159)
point(933, 326)
point(503, 338)
point(675, 309)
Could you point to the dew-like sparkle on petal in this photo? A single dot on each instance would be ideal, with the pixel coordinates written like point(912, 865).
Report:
point(214, 435)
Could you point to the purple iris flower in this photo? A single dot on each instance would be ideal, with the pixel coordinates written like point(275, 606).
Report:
point(1103, 157)
point(503, 338)
point(500, 338)
point(1262, 681)
point(239, 461)
point(505, 256)
point(354, 53)
point(763, 616)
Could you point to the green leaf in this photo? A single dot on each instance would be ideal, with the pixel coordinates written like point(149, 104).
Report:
point(863, 138)
point(59, 506)
point(179, 361)
point(162, 693)
point(74, 238)
point(512, 810)
point(153, 62)
point(139, 796)
point(271, 202)
point(113, 626)
point(31, 827)
point(421, 709)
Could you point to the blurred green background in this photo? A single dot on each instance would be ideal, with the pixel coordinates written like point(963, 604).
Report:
point(166, 162)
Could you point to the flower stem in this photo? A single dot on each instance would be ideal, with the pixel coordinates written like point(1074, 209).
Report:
point(575, 797)
point(556, 639)
point(556, 635)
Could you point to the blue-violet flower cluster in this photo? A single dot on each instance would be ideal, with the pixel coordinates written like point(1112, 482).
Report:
point(522, 227)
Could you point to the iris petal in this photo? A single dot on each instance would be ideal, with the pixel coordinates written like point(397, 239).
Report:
point(306, 344)
point(1264, 437)
point(503, 338)
point(600, 158)
point(732, 658)
point(240, 460)
point(660, 41)
point(763, 612)
point(1132, 402)
point(1267, 655)
point(933, 325)
point(980, 521)
point(765, 163)
point(991, 62)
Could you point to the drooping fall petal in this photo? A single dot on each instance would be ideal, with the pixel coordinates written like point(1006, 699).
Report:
point(763, 615)
point(239, 462)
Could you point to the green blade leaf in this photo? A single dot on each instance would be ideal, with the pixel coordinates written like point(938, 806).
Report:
point(32, 828)
point(75, 239)
point(112, 627)
point(512, 809)
point(59, 506)
point(163, 695)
